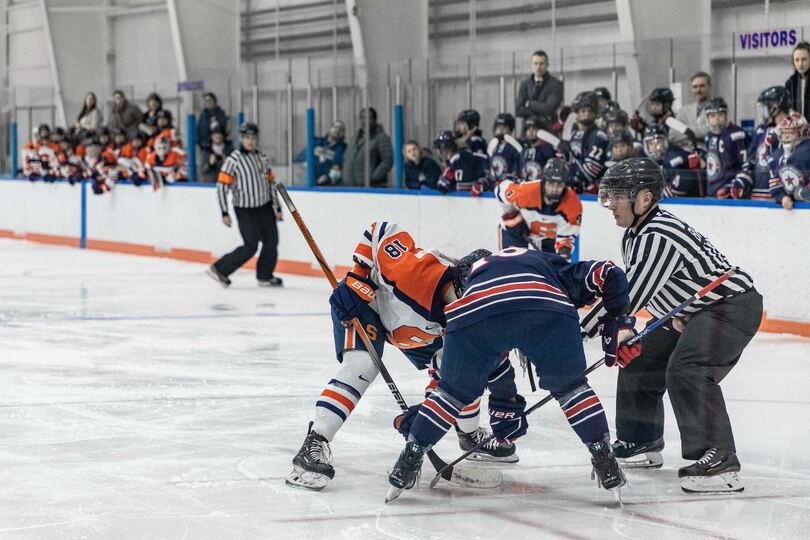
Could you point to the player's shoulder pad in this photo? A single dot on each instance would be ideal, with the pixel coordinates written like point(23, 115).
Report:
point(454, 158)
point(738, 134)
point(601, 134)
point(675, 161)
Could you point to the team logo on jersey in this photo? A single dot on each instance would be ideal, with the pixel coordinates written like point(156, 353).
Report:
point(791, 177)
point(533, 170)
point(762, 155)
point(712, 165)
point(499, 167)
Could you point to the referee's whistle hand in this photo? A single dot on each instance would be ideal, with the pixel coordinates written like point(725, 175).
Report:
point(226, 220)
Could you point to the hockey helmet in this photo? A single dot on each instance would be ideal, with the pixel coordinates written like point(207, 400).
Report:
point(461, 272)
point(249, 128)
point(469, 117)
point(622, 135)
point(602, 93)
point(504, 119)
point(662, 95)
point(792, 130)
point(626, 179)
point(446, 140)
point(655, 141)
point(775, 96)
point(716, 106)
point(585, 100)
point(555, 178)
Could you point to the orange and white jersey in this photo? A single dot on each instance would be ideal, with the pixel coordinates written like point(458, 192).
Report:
point(411, 284)
point(559, 222)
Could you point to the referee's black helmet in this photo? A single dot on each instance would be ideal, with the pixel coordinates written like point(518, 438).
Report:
point(249, 128)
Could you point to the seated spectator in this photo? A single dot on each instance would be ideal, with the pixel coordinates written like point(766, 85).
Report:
point(504, 150)
point(726, 152)
point(165, 164)
point(90, 115)
point(381, 154)
point(682, 171)
point(165, 129)
point(214, 154)
point(329, 153)
point(463, 170)
point(466, 127)
point(790, 164)
point(125, 115)
point(154, 104)
point(536, 152)
point(773, 106)
point(212, 115)
point(419, 170)
point(798, 85)
point(40, 156)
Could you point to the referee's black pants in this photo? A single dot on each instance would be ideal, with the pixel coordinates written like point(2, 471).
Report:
point(690, 366)
point(255, 225)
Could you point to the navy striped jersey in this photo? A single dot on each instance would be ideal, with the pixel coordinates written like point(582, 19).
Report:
point(516, 279)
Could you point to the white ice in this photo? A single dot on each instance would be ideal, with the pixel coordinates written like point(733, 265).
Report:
point(138, 399)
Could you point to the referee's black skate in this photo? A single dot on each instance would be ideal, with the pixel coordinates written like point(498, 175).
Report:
point(605, 467)
point(218, 276)
point(496, 450)
point(718, 471)
point(406, 470)
point(312, 465)
point(272, 282)
point(639, 455)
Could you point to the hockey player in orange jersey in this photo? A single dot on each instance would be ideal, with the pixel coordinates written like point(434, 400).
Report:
point(398, 291)
point(543, 213)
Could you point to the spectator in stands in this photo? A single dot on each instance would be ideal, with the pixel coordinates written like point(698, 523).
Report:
point(694, 114)
point(125, 114)
point(799, 83)
point(381, 154)
point(420, 170)
point(212, 115)
point(154, 104)
point(541, 94)
point(90, 116)
point(214, 153)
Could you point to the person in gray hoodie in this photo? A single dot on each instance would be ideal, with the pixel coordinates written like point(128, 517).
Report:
point(381, 154)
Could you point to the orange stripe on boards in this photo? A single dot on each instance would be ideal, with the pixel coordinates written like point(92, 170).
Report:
point(776, 326)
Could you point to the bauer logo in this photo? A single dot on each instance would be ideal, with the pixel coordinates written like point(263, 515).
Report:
point(501, 414)
point(769, 39)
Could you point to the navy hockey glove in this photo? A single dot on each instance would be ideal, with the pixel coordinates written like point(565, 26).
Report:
point(404, 421)
point(613, 344)
point(508, 418)
point(352, 296)
point(443, 185)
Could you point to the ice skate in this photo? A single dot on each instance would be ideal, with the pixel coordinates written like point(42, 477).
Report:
point(272, 282)
point(639, 455)
point(606, 469)
point(221, 278)
point(312, 465)
point(406, 470)
point(718, 471)
point(496, 450)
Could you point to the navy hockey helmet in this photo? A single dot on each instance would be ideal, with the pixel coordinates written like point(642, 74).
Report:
point(534, 122)
point(662, 95)
point(613, 113)
point(716, 105)
point(777, 96)
point(602, 93)
point(446, 140)
point(504, 119)
point(622, 135)
point(555, 177)
point(655, 141)
point(249, 128)
point(585, 100)
point(627, 178)
point(469, 117)
point(44, 128)
point(461, 272)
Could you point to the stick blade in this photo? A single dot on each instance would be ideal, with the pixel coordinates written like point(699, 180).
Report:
point(472, 478)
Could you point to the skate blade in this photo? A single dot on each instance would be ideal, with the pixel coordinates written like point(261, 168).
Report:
point(720, 483)
point(300, 478)
point(393, 494)
point(487, 458)
point(216, 278)
point(650, 460)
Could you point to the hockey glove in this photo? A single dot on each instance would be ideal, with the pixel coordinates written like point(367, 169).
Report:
point(739, 187)
point(508, 418)
point(352, 296)
point(615, 332)
point(404, 421)
point(443, 185)
point(512, 219)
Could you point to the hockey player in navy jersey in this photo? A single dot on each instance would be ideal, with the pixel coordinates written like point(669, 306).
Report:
point(463, 170)
point(536, 152)
point(503, 149)
point(790, 164)
point(726, 151)
point(545, 214)
point(588, 146)
point(466, 128)
point(682, 170)
point(523, 299)
point(773, 106)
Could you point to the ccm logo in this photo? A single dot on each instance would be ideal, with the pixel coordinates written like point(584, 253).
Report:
point(502, 414)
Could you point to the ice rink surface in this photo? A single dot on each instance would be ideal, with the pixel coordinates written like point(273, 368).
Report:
point(138, 399)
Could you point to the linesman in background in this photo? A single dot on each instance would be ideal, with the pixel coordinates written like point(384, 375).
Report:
point(247, 174)
point(667, 261)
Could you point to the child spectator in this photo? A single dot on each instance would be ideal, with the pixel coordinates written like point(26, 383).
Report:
point(214, 154)
point(421, 171)
point(329, 152)
point(211, 116)
point(90, 116)
point(165, 164)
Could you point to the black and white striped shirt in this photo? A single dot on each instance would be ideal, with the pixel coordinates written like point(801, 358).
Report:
point(666, 262)
point(249, 176)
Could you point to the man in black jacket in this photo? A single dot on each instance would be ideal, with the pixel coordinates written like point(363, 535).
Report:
point(541, 94)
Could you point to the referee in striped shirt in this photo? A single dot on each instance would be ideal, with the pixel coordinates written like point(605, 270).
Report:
point(247, 174)
point(666, 262)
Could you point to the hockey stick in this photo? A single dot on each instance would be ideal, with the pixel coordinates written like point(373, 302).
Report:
point(635, 339)
point(472, 478)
